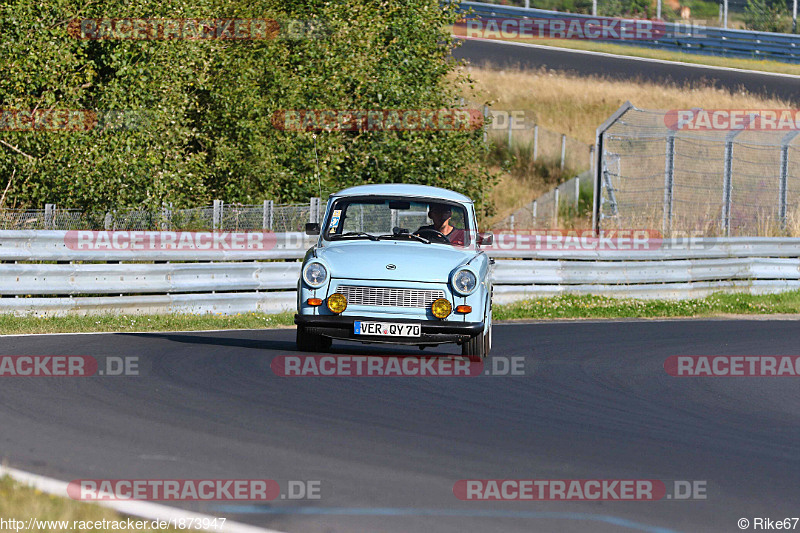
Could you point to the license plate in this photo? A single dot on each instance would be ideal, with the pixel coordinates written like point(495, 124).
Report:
point(386, 329)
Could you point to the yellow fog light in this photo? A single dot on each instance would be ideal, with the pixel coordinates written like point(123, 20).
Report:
point(337, 303)
point(441, 308)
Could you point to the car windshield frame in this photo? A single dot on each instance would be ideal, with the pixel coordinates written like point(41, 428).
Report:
point(343, 202)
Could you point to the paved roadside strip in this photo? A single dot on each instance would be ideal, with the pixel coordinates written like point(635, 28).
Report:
point(140, 509)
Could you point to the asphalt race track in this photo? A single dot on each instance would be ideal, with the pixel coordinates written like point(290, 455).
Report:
point(595, 403)
point(500, 55)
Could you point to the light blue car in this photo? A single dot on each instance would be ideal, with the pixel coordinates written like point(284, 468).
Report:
point(397, 264)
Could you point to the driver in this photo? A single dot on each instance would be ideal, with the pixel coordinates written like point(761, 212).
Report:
point(440, 214)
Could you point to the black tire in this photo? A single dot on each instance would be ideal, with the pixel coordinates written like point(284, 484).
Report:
point(310, 342)
point(475, 348)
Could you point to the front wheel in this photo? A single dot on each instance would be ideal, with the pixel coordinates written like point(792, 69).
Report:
point(310, 342)
point(475, 348)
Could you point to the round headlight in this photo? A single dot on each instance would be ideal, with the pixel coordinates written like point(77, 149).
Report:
point(337, 302)
point(464, 282)
point(315, 274)
point(441, 308)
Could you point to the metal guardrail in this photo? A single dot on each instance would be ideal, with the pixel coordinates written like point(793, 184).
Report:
point(237, 281)
point(679, 37)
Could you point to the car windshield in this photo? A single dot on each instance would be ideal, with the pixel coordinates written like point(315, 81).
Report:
point(431, 221)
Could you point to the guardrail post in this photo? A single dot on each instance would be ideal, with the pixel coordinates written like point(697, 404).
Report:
point(216, 219)
point(49, 215)
point(783, 189)
point(314, 210)
point(563, 149)
point(669, 178)
point(266, 216)
point(535, 142)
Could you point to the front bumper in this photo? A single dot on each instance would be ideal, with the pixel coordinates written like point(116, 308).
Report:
point(432, 331)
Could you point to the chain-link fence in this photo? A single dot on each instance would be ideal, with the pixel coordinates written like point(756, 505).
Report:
point(673, 171)
point(559, 206)
point(221, 216)
point(521, 135)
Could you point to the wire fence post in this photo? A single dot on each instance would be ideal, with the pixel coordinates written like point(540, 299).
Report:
point(49, 215)
point(166, 216)
point(267, 215)
point(108, 221)
point(555, 208)
point(314, 210)
point(669, 178)
point(216, 218)
point(535, 142)
point(510, 131)
point(485, 124)
point(727, 178)
point(784, 180)
point(533, 213)
point(563, 149)
point(577, 194)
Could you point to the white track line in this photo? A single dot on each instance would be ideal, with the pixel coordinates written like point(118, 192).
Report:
point(146, 510)
point(630, 58)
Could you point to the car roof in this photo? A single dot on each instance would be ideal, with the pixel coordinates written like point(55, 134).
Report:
point(403, 189)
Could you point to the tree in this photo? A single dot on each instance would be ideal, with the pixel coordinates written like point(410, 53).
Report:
point(208, 103)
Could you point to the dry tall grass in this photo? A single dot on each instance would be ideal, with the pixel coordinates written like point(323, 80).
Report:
point(577, 105)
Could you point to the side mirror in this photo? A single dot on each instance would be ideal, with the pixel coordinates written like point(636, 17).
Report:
point(312, 228)
point(486, 239)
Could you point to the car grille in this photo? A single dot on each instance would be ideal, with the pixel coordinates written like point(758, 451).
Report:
point(389, 297)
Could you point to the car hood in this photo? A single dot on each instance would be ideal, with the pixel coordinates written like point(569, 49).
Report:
point(413, 261)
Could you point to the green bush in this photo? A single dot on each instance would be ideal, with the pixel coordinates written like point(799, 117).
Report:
point(767, 15)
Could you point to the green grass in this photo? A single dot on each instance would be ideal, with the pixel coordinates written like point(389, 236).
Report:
point(573, 306)
point(566, 306)
point(10, 324)
point(20, 502)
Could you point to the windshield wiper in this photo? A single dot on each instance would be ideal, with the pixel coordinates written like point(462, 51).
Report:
point(410, 235)
point(354, 234)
